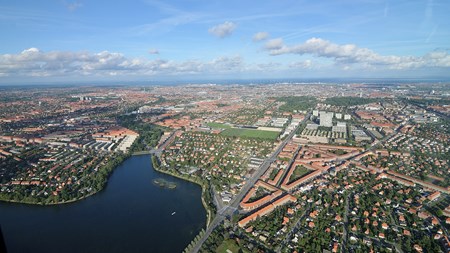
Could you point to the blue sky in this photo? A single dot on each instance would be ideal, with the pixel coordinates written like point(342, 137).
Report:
point(162, 40)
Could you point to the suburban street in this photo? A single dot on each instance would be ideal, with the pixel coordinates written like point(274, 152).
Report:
point(228, 211)
point(294, 228)
point(345, 233)
point(289, 165)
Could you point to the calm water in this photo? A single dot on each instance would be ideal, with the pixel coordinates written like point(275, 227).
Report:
point(129, 215)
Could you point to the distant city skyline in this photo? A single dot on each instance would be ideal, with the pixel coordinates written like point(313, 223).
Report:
point(196, 40)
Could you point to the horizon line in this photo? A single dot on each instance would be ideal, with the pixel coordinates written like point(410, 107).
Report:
point(313, 80)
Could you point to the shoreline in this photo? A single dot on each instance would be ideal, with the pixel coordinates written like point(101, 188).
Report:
point(209, 214)
point(205, 205)
point(123, 159)
point(52, 204)
point(155, 164)
point(141, 153)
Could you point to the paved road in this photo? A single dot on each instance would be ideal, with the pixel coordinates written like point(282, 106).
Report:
point(344, 234)
point(295, 227)
point(282, 178)
point(346, 211)
point(228, 211)
point(163, 145)
point(443, 115)
point(385, 243)
point(217, 199)
point(263, 168)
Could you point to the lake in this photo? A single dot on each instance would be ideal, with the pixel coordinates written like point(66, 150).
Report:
point(130, 215)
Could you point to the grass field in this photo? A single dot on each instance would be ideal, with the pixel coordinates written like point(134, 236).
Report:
point(251, 133)
point(228, 244)
point(299, 172)
point(218, 125)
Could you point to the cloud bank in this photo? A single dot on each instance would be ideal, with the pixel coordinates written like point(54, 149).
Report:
point(318, 56)
point(34, 62)
point(351, 54)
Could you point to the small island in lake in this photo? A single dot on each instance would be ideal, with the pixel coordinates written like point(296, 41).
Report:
point(164, 183)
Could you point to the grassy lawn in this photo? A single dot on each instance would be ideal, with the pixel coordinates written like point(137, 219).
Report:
point(273, 174)
point(299, 172)
point(260, 193)
point(297, 103)
point(434, 181)
point(218, 125)
point(228, 244)
point(251, 133)
point(338, 151)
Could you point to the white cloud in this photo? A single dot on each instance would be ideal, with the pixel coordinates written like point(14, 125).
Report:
point(223, 30)
point(224, 64)
point(351, 54)
point(268, 67)
point(153, 51)
point(260, 36)
point(274, 44)
point(33, 62)
point(306, 64)
point(72, 6)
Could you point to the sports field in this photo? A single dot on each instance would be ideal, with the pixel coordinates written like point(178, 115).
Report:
point(250, 133)
point(218, 125)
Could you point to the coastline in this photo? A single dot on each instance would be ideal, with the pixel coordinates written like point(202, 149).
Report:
point(209, 214)
point(141, 153)
point(156, 167)
point(95, 191)
point(138, 206)
point(52, 204)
